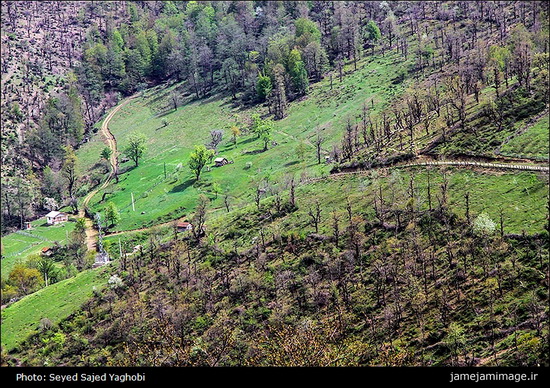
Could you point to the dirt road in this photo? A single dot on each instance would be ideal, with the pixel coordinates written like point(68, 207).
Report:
point(110, 140)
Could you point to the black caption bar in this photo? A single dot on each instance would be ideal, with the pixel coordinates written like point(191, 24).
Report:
point(64, 376)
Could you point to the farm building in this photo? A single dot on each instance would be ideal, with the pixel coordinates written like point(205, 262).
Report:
point(184, 226)
point(46, 251)
point(54, 217)
point(220, 162)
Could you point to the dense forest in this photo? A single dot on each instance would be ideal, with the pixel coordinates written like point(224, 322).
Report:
point(398, 269)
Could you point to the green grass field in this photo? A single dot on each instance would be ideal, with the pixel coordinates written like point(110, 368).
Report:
point(18, 246)
point(521, 196)
point(533, 143)
point(159, 198)
point(54, 302)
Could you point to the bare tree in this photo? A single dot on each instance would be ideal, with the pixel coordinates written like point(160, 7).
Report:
point(314, 214)
point(319, 140)
point(199, 219)
point(216, 137)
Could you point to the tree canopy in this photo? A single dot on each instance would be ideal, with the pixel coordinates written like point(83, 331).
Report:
point(198, 159)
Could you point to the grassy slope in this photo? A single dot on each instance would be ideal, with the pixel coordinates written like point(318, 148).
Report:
point(163, 199)
point(16, 246)
point(533, 143)
point(190, 125)
point(521, 196)
point(472, 316)
point(55, 303)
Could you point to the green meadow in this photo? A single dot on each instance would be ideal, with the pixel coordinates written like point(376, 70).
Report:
point(16, 247)
point(522, 197)
point(162, 185)
point(533, 143)
point(55, 302)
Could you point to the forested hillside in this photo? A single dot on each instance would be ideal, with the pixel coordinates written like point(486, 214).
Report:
point(366, 183)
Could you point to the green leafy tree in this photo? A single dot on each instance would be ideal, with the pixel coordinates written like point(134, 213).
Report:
point(216, 189)
point(46, 267)
point(262, 129)
point(144, 48)
point(68, 171)
point(372, 34)
point(455, 340)
point(135, 71)
point(306, 31)
point(297, 72)
point(26, 280)
point(235, 132)
point(159, 61)
point(106, 153)
point(77, 245)
point(498, 61)
point(8, 293)
point(72, 108)
point(301, 149)
point(263, 86)
point(198, 159)
point(136, 147)
point(112, 215)
point(266, 136)
point(114, 69)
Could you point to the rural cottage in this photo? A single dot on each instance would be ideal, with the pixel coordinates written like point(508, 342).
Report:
point(54, 217)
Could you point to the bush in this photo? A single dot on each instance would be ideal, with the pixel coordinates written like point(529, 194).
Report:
point(483, 225)
point(45, 324)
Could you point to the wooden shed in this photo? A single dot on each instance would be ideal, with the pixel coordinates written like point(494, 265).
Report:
point(184, 226)
point(220, 162)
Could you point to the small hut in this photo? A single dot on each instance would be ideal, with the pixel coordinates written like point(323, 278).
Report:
point(184, 226)
point(220, 161)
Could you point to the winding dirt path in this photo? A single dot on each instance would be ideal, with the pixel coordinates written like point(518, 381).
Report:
point(110, 140)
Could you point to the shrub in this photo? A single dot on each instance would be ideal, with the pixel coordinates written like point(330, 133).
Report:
point(115, 282)
point(45, 324)
point(483, 225)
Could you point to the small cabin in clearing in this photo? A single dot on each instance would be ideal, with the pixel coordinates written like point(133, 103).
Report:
point(184, 226)
point(46, 251)
point(220, 162)
point(53, 218)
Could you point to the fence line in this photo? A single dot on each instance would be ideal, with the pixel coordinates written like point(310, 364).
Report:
point(439, 163)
